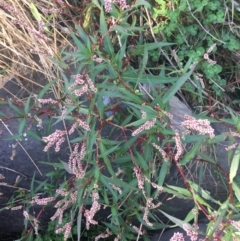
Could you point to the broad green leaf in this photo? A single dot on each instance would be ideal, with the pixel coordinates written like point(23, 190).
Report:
point(163, 172)
point(191, 154)
point(207, 158)
point(176, 86)
point(136, 123)
point(105, 182)
point(180, 190)
point(87, 16)
point(127, 120)
point(79, 224)
point(35, 12)
point(132, 76)
point(66, 167)
point(234, 164)
point(217, 138)
point(36, 135)
point(143, 64)
point(142, 3)
point(141, 162)
point(15, 108)
point(189, 217)
point(46, 89)
point(114, 211)
point(120, 183)
point(122, 30)
point(82, 48)
point(106, 160)
point(205, 194)
point(22, 123)
point(177, 221)
point(37, 15)
point(109, 151)
point(104, 31)
point(236, 190)
point(149, 46)
point(27, 105)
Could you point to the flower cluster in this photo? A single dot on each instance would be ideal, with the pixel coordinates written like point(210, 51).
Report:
point(38, 34)
point(51, 10)
point(103, 235)
point(178, 145)
point(26, 215)
point(17, 208)
point(75, 160)
point(67, 227)
point(63, 204)
point(146, 126)
point(190, 233)
point(235, 224)
point(149, 205)
point(206, 55)
point(163, 153)
point(154, 185)
point(122, 3)
point(177, 237)
point(199, 77)
point(139, 177)
point(231, 147)
point(89, 214)
point(144, 114)
point(138, 230)
point(56, 137)
point(85, 82)
point(7, 7)
point(97, 59)
point(203, 127)
point(116, 188)
point(42, 201)
point(79, 123)
point(47, 101)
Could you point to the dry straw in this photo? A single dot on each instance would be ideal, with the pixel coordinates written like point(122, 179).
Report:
point(29, 34)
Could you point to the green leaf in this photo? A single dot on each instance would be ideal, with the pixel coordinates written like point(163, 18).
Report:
point(142, 3)
point(82, 48)
point(236, 190)
point(217, 139)
point(79, 224)
point(175, 88)
point(180, 190)
point(114, 211)
point(132, 76)
point(106, 160)
point(104, 31)
point(37, 15)
point(149, 46)
point(21, 126)
point(190, 154)
point(163, 172)
point(27, 105)
point(109, 151)
point(66, 167)
point(177, 221)
point(46, 88)
point(105, 182)
point(36, 135)
point(234, 164)
point(121, 30)
point(15, 108)
point(141, 162)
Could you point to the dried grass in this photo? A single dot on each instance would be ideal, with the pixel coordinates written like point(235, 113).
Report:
point(18, 40)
